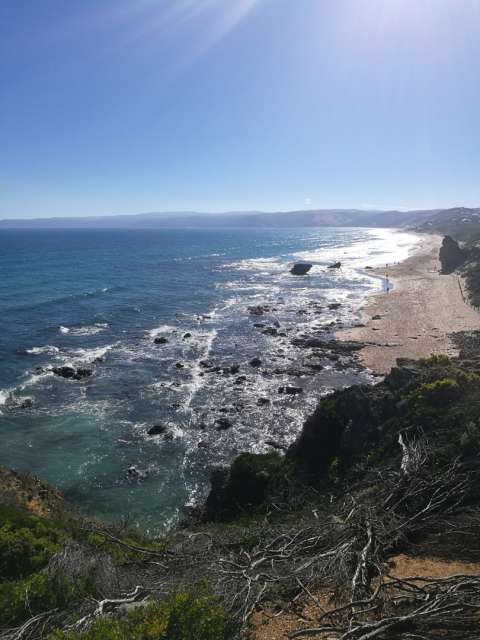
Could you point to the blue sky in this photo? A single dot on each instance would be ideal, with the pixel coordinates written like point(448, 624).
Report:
point(124, 106)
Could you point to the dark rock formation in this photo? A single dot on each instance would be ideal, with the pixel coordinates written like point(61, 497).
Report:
point(335, 265)
point(255, 362)
point(71, 373)
point(258, 310)
point(242, 486)
point(290, 391)
point(300, 268)
point(157, 430)
point(451, 255)
point(161, 340)
point(262, 402)
point(23, 402)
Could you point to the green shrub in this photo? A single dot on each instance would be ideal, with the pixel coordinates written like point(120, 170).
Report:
point(22, 599)
point(470, 439)
point(119, 553)
point(182, 617)
point(27, 542)
point(439, 393)
point(436, 360)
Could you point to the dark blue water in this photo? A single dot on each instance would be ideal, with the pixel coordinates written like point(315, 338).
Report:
point(98, 299)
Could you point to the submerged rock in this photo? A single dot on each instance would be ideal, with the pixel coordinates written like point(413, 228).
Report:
point(24, 402)
point(262, 402)
point(300, 268)
point(335, 265)
point(258, 310)
point(222, 424)
point(270, 331)
point(161, 340)
point(133, 473)
point(255, 362)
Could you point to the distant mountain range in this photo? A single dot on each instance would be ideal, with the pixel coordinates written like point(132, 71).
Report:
point(433, 219)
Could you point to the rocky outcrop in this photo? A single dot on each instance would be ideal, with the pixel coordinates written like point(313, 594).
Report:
point(300, 268)
point(451, 255)
point(72, 373)
point(335, 265)
point(355, 427)
point(157, 430)
point(241, 487)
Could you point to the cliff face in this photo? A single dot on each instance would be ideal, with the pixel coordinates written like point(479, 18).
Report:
point(26, 491)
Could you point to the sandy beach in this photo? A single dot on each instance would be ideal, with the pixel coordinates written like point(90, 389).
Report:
point(414, 318)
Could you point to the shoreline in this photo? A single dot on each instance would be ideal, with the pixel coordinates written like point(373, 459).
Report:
point(414, 319)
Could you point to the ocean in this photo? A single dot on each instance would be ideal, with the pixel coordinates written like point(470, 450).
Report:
point(97, 300)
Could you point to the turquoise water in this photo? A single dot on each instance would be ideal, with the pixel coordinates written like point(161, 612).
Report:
point(98, 299)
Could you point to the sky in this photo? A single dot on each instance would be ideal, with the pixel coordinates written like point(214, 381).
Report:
point(127, 106)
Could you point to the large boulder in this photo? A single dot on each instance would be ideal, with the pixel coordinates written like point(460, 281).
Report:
point(451, 255)
point(300, 268)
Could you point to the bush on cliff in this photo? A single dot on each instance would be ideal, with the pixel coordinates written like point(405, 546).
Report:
point(440, 393)
point(27, 542)
point(22, 599)
point(182, 617)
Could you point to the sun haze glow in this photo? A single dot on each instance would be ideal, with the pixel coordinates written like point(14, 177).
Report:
point(138, 105)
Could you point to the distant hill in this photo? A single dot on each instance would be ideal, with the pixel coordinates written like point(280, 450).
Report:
point(460, 222)
point(310, 218)
point(441, 220)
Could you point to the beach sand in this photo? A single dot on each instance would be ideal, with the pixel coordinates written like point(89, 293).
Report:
point(416, 315)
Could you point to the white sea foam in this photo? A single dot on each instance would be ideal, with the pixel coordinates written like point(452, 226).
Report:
point(34, 379)
point(35, 351)
point(381, 246)
point(198, 381)
point(88, 356)
point(85, 330)
point(164, 328)
point(263, 265)
point(4, 395)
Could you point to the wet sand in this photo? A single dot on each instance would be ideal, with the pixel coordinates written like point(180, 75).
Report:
point(417, 315)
